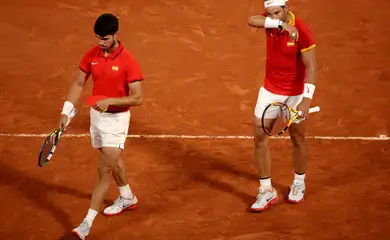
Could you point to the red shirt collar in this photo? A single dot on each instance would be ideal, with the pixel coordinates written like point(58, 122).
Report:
point(114, 53)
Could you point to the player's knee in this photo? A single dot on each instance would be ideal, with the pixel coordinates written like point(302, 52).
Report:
point(117, 169)
point(261, 139)
point(106, 167)
point(105, 171)
point(297, 139)
point(260, 142)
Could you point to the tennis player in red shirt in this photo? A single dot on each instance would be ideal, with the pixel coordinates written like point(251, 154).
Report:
point(290, 78)
point(117, 76)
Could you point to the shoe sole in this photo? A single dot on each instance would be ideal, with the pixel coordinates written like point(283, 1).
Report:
point(78, 235)
point(295, 202)
point(131, 207)
point(269, 204)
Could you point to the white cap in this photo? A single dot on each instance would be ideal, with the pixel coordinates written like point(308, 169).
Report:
point(274, 3)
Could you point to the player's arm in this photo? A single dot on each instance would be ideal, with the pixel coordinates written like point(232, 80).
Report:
point(309, 59)
point(261, 21)
point(264, 21)
point(73, 96)
point(135, 98)
point(77, 87)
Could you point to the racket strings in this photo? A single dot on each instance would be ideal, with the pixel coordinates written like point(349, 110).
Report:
point(278, 116)
point(48, 147)
point(284, 114)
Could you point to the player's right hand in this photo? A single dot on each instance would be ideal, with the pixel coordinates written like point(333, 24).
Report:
point(293, 31)
point(63, 121)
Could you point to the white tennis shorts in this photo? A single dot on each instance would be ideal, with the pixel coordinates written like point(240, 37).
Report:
point(109, 129)
point(265, 97)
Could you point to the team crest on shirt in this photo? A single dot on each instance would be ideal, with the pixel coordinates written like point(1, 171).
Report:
point(290, 44)
point(115, 68)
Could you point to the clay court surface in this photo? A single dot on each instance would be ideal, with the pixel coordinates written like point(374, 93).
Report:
point(203, 66)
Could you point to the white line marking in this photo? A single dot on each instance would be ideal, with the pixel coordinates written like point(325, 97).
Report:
point(81, 135)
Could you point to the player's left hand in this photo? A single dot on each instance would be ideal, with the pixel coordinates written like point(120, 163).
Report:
point(304, 107)
point(102, 105)
point(292, 31)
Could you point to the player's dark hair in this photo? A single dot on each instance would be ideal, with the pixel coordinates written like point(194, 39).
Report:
point(106, 24)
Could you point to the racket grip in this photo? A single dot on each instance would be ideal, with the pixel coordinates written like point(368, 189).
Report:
point(311, 110)
point(314, 109)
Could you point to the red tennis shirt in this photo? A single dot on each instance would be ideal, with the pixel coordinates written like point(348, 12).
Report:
point(112, 74)
point(285, 70)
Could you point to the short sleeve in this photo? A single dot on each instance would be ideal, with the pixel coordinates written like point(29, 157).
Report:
point(306, 39)
point(133, 70)
point(85, 63)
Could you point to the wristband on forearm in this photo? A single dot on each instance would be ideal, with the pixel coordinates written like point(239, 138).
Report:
point(273, 23)
point(67, 108)
point(309, 90)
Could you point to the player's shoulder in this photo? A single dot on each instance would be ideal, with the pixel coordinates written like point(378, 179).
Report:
point(302, 25)
point(92, 51)
point(127, 54)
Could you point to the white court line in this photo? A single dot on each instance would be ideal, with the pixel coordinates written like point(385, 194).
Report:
point(168, 136)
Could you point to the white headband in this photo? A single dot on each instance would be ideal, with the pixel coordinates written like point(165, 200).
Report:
point(274, 3)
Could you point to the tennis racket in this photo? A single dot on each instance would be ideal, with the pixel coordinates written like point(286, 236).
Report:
point(49, 146)
point(277, 118)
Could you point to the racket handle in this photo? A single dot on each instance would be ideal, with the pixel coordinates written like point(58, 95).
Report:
point(311, 110)
point(314, 109)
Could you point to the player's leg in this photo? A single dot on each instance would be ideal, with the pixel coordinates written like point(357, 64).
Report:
point(262, 154)
point(127, 199)
point(109, 157)
point(297, 188)
point(297, 132)
point(119, 174)
point(108, 160)
point(104, 136)
point(299, 148)
point(267, 194)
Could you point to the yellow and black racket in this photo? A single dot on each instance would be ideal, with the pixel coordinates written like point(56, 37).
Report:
point(49, 146)
point(277, 118)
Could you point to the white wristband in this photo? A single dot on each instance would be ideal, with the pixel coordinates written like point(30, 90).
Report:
point(309, 90)
point(272, 23)
point(67, 108)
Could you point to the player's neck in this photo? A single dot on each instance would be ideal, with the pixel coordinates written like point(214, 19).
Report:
point(116, 44)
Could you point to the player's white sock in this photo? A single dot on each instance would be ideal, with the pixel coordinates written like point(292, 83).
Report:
point(300, 177)
point(126, 192)
point(265, 182)
point(91, 216)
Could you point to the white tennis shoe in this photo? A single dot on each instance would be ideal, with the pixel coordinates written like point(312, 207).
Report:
point(82, 231)
point(265, 199)
point(297, 191)
point(120, 205)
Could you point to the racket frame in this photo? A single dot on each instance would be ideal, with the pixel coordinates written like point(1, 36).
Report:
point(294, 114)
point(58, 132)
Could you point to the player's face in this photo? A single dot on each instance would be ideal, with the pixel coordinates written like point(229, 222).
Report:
point(277, 13)
point(106, 42)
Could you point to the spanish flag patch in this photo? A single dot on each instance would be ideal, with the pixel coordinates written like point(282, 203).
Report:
point(290, 44)
point(115, 68)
